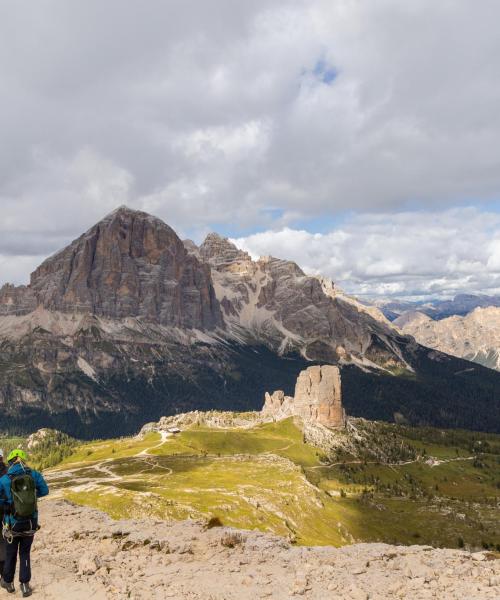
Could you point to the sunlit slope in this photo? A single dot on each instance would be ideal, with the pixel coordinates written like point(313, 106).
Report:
point(268, 478)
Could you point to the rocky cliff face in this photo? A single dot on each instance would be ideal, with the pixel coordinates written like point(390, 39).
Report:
point(318, 396)
point(273, 300)
point(475, 336)
point(128, 265)
point(220, 252)
point(90, 376)
point(317, 399)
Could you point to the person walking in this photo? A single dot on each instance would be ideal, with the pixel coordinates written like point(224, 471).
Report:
point(3, 471)
point(20, 487)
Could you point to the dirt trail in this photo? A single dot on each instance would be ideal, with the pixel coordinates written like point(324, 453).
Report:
point(81, 554)
point(164, 438)
point(435, 462)
point(105, 467)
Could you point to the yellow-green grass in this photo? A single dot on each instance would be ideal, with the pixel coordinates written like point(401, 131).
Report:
point(258, 492)
point(282, 438)
point(271, 494)
point(454, 479)
point(111, 449)
point(437, 451)
point(267, 478)
point(9, 443)
point(442, 524)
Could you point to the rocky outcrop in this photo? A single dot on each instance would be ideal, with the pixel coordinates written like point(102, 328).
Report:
point(277, 405)
point(191, 248)
point(318, 396)
point(220, 252)
point(139, 559)
point(210, 418)
point(317, 399)
point(47, 439)
point(128, 265)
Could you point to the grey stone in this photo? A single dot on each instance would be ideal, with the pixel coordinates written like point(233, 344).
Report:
point(317, 399)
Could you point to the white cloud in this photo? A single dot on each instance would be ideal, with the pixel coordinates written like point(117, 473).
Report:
point(494, 255)
point(16, 269)
point(246, 115)
point(412, 253)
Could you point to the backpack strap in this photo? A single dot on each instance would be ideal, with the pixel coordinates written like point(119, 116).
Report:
point(27, 471)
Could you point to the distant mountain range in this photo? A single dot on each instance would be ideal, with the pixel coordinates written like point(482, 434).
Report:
point(460, 305)
point(129, 323)
point(475, 336)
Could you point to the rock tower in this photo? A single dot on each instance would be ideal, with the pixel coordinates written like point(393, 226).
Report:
point(318, 398)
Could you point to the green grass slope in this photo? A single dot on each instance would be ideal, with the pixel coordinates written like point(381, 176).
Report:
point(381, 482)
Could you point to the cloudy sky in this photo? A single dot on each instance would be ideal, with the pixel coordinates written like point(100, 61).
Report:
point(359, 138)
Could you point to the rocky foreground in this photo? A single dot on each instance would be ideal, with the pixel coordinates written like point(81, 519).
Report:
point(81, 553)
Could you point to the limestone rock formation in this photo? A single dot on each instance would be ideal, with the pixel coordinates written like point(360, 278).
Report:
point(475, 336)
point(318, 396)
point(274, 301)
point(317, 399)
point(130, 264)
point(277, 405)
point(219, 251)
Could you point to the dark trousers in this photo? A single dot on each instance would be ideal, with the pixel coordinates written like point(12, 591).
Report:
point(21, 546)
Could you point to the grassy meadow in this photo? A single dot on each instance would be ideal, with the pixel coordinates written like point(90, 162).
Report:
point(266, 477)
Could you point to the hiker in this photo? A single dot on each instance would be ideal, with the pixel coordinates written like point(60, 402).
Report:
point(20, 487)
point(3, 470)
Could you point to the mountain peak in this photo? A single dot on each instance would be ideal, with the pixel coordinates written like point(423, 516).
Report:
point(219, 251)
point(123, 209)
point(130, 264)
point(124, 212)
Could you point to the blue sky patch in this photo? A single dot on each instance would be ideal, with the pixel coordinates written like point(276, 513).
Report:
point(325, 72)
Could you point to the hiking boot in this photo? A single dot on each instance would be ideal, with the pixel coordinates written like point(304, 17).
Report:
point(26, 590)
point(8, 586)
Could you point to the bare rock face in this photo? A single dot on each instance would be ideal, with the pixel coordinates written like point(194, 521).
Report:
point(16, 300)
point(274, 301)
point(318, 398)
point(277, 405)
point(192, 248)
point(219, 251)
point(129, 323)
point(475, 336)
point(128, 265)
